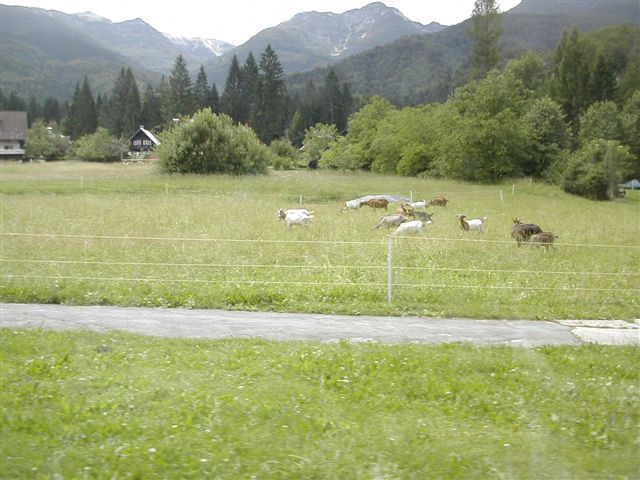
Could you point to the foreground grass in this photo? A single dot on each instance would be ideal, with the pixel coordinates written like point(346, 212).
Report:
point(125, 235)
point(86, 405)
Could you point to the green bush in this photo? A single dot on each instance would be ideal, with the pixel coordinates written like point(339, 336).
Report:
point(596, 169)
point(285, 155)
point(45, 143)
point(210, 143)
point(99, 147)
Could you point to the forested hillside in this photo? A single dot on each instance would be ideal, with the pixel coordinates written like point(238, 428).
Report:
point(423, 68)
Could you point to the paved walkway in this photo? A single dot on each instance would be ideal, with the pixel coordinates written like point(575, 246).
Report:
point(325, 328)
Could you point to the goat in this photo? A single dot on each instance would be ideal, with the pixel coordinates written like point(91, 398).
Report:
point(521, 232)
point(424, 216)
point(296, 218)
point(472, 223)
point(376, 203)
point(414, 226)
point(543, 239)
point(351, 205)
point(391, 220)
point(438, 201)
point(405, 209)
point(283, 213)
point(421, 204)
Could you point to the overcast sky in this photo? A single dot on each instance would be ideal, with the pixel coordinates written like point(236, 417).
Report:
point(235, 21)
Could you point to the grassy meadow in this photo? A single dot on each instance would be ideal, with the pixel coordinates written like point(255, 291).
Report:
point(87, 405)
point(81, 233)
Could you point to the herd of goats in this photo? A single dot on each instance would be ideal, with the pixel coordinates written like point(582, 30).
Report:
point(408, 219)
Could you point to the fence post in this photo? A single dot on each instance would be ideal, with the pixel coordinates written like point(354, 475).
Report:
point(389, 269)
point(300, 200)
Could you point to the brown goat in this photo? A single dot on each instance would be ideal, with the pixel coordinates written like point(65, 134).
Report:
point(543, 239)
point(438, 201)
point(405, 209)
point(521, 232)
point(376, 203)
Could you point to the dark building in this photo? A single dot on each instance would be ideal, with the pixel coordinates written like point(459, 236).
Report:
point(142, 141)
point(13, 134)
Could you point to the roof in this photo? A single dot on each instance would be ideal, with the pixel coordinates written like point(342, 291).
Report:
point(13, 125)
point(150, 135)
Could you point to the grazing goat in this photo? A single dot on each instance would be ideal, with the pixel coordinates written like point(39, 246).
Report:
point(376, 203)
point(391, 220)
point(351, 205)
point(414, 226)
point(543, 239)
point(296, 218)
point(283, 213)
point(424, 216)
point(405, 208)
point(421, 204)
point(521, 232)
point(471, 223)
point(439, 201)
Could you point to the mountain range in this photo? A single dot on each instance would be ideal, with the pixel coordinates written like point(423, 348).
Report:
point(45, 52)
point(375, 48)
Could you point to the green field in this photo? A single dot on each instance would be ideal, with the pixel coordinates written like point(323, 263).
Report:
point(80, 233)
point(87, 405)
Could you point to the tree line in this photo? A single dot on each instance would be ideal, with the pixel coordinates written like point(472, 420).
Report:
point(254, 94)
point(574, 121)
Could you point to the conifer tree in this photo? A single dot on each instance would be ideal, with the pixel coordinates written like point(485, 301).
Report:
point(215, 99)
point(231, 102)
point(602, 81)
point(570, 80)
point(178, 98)
point(83, 116)
point(250, 90)
point(151, 115)
point(270, 114)
point(33, 110)
point(485, 31)
point(51, 110)
point(201, 93)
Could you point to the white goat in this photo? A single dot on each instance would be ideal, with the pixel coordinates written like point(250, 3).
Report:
point(421, 204)
point(391, 220)
point(297, 218)
point(283, 213)
point(351, 205)
point(471, 223)
point(414, 226)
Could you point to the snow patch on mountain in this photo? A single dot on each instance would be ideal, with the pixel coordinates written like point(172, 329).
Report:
point(217, 47)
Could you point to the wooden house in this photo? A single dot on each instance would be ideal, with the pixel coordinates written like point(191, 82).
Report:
point(142, 141)
point(13, 135)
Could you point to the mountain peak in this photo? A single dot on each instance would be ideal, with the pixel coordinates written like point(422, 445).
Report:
point(91, 17)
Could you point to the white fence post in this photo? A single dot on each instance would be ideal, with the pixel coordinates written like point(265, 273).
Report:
point(389, 269)
point(300, 200)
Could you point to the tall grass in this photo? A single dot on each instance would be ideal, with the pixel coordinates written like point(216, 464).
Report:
point(87, 405)
point(123, 234)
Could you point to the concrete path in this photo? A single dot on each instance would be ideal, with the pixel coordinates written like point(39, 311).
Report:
point(184, 323)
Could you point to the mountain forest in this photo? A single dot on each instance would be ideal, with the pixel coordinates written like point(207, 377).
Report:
point(568, 115)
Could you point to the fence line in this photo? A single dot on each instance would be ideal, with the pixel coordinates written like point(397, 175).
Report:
point(331, 242)
point(361, 267)
point(359, 284)
point(185, 239)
